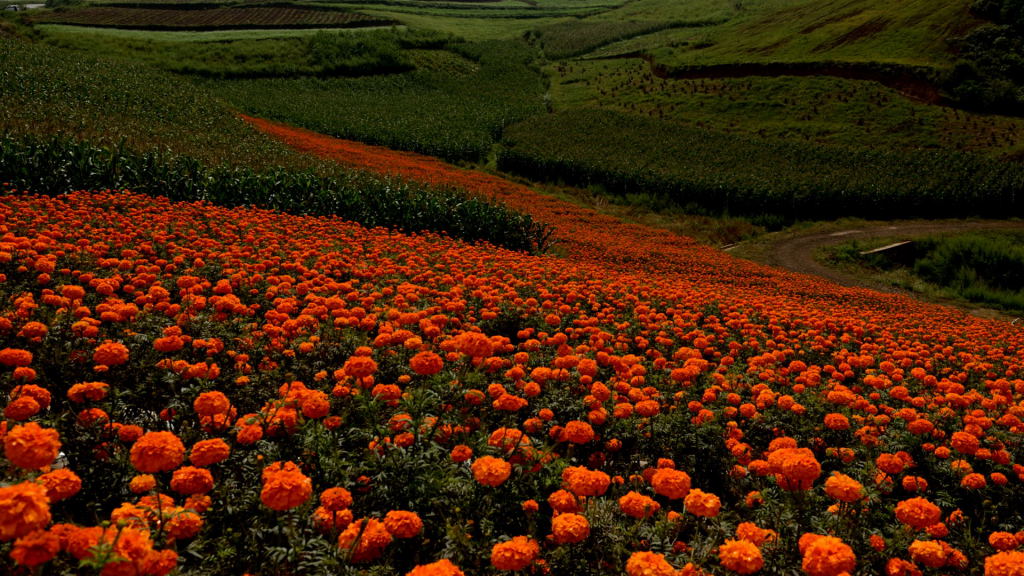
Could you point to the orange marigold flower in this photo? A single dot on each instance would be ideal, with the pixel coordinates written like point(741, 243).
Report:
point(31, 446)
point(563, 501)
point(843, 488)
point(890, 463)
point(426, 363)
point(129, 433)
point(826, 555)
point(15, 357)
point(191, 480)
point(24, 508)
point(94, 391)
point(965, 443)
point(360, 366)
point(209, 452)
point(371, 540)
point(335, 499)
point(211, 403)
point(157, 452)
point(38, 393)
point(1002, 541)
point(836, 421)
point(22, 408)
point(701, 503)
point(491, 471)
point(648, 564)
point(570, 528)
point(184, 524)
point(918, 513)
point(142, 483)
point(584, 482)
point(284, 486)
point(327, 520)
point(60, 484)
point(403, 524)
point(1010, 563)
point(110, 354)
point(928, 553)
point(740, 556)
point(670, 483)
point(443, 567)
point(515, 554)
point(637, 505)
point(578, 432)
point(973, 481)
point(752, 533)
point(474, 344)
point(794, 468)
point(198, 502)
point(35, 548)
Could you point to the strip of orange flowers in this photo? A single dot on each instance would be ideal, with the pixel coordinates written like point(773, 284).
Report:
point(185, 382)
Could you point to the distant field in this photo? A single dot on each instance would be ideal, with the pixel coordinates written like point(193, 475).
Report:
point(915, 32)
point(453, 105)
point(821, 109)
point(671, 166)
point(221, 18)
point(158, 36)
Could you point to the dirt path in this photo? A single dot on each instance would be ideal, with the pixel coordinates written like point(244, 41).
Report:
point(798, 253)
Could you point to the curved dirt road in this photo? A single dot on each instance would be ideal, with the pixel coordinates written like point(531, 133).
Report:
point(798, 253)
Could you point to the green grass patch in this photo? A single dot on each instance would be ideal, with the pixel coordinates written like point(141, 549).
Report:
point(718, 173)
point(981, 268)
point(570, 39)
point(199, 36)
point(323, 53)
point(915, 32)
point(452, 111)
point(208, 18)
point(48, 91)
point(823, 110)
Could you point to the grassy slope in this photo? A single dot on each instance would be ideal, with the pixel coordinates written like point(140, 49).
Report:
point(46, 91)
point(814, 109)
point(914, 32)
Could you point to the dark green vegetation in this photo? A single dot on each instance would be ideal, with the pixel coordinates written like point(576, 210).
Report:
point(703, 170)
point(203, 17)
point(454, 105)
point(319, 53)
point(57, 166)
point(157, 135)
point(47, 91)
point(990, 73)
point(569, 39)
point(982, 268)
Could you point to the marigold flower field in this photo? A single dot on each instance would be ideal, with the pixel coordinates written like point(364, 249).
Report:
point(227, 391)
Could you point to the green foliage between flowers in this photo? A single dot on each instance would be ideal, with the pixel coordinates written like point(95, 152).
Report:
point(721, 173)
point(58, 165)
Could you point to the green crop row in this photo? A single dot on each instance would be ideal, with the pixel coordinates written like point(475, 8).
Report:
point(58, 165)
point(47, 91)
point(568, 39)
point(322, 53)
point(722, 173)
point(454, 107)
